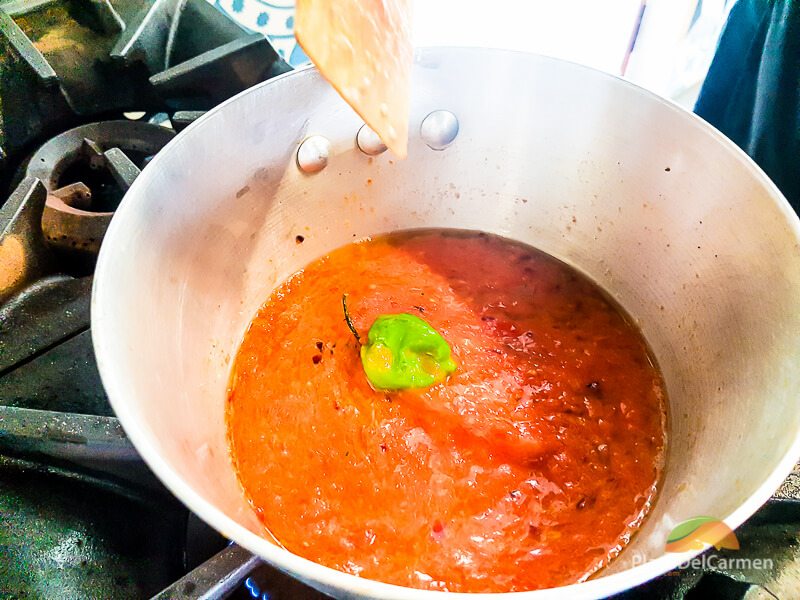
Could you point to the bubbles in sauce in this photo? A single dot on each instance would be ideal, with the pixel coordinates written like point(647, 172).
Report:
point(530, 467)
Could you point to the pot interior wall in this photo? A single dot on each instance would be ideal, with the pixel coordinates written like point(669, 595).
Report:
point(651, 204)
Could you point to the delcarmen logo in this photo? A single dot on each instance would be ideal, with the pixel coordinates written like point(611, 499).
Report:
point(698, 532)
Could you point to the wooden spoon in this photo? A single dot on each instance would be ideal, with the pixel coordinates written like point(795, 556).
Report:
point(363, 48)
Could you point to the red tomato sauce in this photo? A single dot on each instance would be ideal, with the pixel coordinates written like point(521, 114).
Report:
point(530, 467)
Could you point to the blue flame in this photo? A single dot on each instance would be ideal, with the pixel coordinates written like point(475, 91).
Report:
point(253, 588)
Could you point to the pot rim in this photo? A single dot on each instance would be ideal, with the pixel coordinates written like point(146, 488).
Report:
point(122, 400)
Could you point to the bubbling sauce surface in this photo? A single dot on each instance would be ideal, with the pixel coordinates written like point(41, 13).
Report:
point(530, 467)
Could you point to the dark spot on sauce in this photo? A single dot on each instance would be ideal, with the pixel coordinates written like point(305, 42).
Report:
point(299, 239)
point(320, 345)
point(316, 359)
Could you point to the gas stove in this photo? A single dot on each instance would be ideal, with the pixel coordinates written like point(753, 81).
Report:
point(90, 91)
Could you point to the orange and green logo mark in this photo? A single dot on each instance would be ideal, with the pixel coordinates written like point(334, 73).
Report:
point(698, 532)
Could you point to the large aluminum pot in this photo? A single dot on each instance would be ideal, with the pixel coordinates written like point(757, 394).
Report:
point(659, 208)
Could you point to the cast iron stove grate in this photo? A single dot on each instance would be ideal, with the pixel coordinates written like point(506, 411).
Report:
point(67, 62)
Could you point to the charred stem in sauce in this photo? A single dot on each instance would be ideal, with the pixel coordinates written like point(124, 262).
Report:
point(348, 320)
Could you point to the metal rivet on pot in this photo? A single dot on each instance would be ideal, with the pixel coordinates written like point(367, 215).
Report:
point(369, 142)
point(313, 153)
point(439, 129)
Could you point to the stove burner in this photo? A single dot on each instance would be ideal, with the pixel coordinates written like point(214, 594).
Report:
point(86, 171)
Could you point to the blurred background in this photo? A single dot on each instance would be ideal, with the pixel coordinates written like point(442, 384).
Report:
point(663, 45)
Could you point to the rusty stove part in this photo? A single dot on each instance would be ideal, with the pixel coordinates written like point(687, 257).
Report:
point(24, 255)
point(68, 226)
point(86, 171)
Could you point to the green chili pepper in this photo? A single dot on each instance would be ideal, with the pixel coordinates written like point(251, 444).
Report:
point(403, 351)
